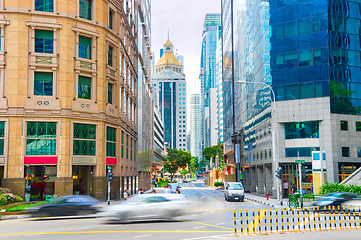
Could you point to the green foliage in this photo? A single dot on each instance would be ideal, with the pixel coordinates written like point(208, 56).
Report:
point(213, 152)
point(7, 197)
point(24, 206)
point(162, 183)
point(340, 99)
point(183, 172)
point(218, 184)
point(176, 159)
point(192, 165)
point(336, 187)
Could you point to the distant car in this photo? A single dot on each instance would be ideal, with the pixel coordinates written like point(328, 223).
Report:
point(187, 180)
point(67, 206)
point(147, 206)
point(334, 199)
point(234, 191)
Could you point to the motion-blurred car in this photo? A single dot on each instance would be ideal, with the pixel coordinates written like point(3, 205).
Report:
point(67, 206)
point(173, 187)
point(147, 206)
point(234, 191)
point(334, 199)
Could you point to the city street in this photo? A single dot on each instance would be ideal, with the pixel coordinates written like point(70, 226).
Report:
point(211, 217)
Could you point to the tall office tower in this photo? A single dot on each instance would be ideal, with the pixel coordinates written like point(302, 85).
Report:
point(145, 103)
point(212, 23)
point(180, 59)
point(188, 141)
point(219, 88)
point(308, 61)
point(68, 97)
point(170, 94)
point(195, 125)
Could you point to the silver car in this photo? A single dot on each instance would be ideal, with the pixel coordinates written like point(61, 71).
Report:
point(147, 206)
point(234, 191)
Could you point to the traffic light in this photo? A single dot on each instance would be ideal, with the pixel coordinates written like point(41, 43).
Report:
point(279, 173)
point(109, 176)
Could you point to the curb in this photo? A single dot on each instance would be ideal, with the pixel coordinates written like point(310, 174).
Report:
point(257, 201)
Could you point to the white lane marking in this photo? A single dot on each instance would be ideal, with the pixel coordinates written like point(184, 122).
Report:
point(219, 223)
point(199, 227)
point(178, 230)
point(146, 235)
point(216, 236)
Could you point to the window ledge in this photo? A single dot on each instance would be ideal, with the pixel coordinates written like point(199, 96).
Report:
point(85, 105)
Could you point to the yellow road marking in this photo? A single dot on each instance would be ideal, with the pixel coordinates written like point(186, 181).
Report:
point(75, 232)
point(250, 225)
point(205, 224)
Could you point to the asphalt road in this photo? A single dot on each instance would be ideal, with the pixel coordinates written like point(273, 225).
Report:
point(211, 217)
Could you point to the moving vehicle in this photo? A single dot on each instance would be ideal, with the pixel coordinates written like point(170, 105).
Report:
point(173, 187)
point(234, 191)
point(187, 180)
point(354, 204)
point(334, 199)
point(147, 206)
point(67, 206)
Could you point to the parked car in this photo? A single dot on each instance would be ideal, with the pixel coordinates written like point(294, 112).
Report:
point(187, 180)
point(67, 206)
point(147, 206)
point(234, 191)
point(334, 199)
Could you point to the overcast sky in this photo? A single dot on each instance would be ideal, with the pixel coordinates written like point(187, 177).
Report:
point(184, 19)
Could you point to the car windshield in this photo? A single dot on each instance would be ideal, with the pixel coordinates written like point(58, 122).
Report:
point(235, 187)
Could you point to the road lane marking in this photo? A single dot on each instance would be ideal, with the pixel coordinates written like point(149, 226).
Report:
point(205, 224)
point(199, 227)
point(146, 235)
point(207, 237)
point(219, 223)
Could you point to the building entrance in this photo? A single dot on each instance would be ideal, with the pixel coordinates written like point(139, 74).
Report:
point(82, 176)
point(40, 182)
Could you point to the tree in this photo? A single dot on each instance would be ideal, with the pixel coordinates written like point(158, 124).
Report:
point(176, 159)
point(213, 152)
point(183, 172)
point(193, 164)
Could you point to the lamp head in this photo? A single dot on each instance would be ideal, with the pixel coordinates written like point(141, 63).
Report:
point(241, 82)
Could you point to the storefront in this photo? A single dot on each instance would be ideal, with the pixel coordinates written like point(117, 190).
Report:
point(346, 169)
point(291, 175)
point(39, 182)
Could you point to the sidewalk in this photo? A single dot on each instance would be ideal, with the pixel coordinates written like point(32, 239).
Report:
point(261, 199)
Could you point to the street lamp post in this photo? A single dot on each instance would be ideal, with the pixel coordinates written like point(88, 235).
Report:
point(274, 136)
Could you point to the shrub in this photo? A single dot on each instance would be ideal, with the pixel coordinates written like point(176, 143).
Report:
point(162, 183)
point(24, 206)
point(336, 187)
point(4, 190)
point(7, 197)
point(218, 184)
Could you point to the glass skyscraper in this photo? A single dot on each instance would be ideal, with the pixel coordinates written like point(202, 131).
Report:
point(308, 53)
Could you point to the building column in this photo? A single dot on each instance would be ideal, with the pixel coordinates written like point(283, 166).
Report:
point(100, 188)
point(253, 179)
point(246, 180)
point(63, 186)
point(260, 179)
point(269, 179)
point(115, 188)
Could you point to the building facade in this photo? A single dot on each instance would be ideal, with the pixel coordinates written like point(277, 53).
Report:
point(158, 144)
point(212, 24)
point(305, 52)
point(145, 103)
point(219, 88)
point(195, 125)
point(69, 96)
point(170, 93)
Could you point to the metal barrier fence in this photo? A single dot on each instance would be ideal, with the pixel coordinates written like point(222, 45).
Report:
point(257, 221)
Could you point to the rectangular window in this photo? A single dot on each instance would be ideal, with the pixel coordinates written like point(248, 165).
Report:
point(110, 56)
point(43, 83)
point(2, 137)
point(345, 152)
point(44, 5)
point(344, 125)
point(305, 58)
point(126, 151)
point(299, 130)
point(111, 142)
point(41, 138)
point(301, 151)
point(359, 152)
point(134, 150)
point(84, 87)
point(85, 47)
point(122, 146)
point(131, 149)
point(44, 41)
point(358, 126)
point(110, 93)
point(110, 19)
point(84, 142)
point(85, 9)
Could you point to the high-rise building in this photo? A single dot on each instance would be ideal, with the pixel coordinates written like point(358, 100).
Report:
point(170, 92)
point(212, 24)
point(68, 107)
point(304, 53)
point(219, 88)
point(158, 144)
point(195, 125)
point(145, 103)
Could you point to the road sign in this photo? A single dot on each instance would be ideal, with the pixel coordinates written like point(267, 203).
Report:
point(299, 161)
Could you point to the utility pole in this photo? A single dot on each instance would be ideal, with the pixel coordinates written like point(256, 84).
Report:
point(109, 178)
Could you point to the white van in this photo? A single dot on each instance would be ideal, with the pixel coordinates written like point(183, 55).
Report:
point(234, 191)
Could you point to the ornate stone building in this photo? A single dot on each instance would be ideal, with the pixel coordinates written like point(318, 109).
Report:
point(69, 95)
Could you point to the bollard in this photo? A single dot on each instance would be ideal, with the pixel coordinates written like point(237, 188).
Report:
point(282, 227)
point(334, 217)
point(324, 215)
point(298, 219)
point(354, 216)
point(349, 217)
point(329, 217)
point(359, 216)
point(247, 221)
point(241, 218)
point(267, 196)
point(314, 219)
point(259, 221)
point(287, 220)
point(253, 221)
point(339, 217)
point(276, 220)
point(265, 221)
point(309, 219)
point(344, 217)
point(319, 219)
point(235, 222)
point(270, 219)
point(303, 219)
point(293, 219)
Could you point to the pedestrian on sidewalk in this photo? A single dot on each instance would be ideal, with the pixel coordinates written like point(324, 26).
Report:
point(285, 188)
point(293, 188)
point(126, 194)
